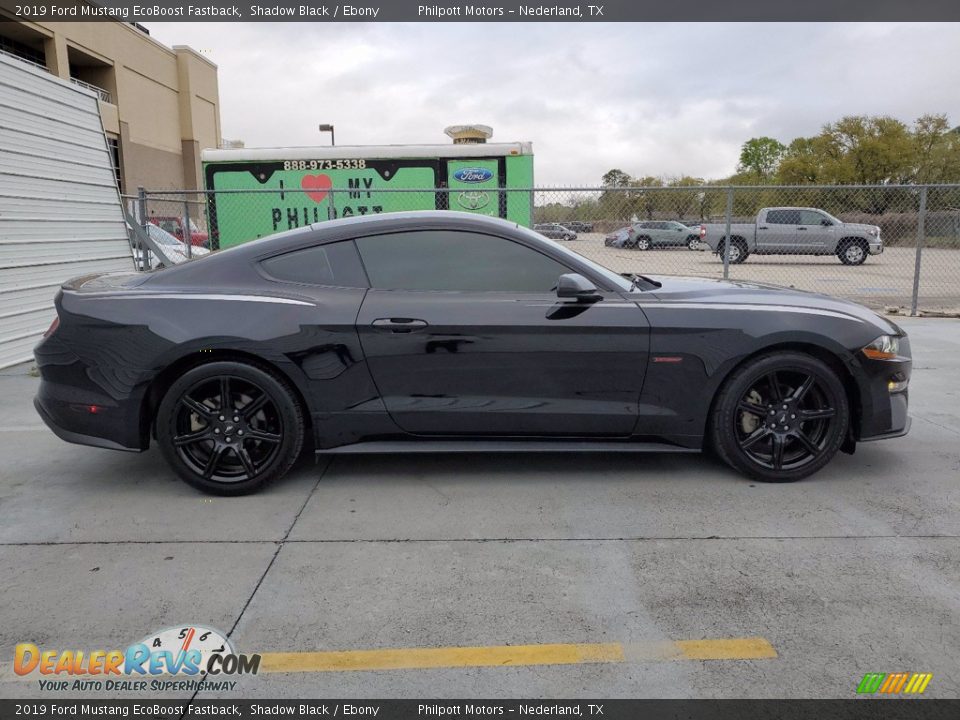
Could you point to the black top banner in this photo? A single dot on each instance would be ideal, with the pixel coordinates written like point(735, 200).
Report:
point(454, 709)
point(406, 11)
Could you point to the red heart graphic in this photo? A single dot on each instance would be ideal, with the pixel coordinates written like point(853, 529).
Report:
point(316, 186)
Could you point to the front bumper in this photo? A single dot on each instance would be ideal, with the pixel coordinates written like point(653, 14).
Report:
point(883, 414)
point(875, 246)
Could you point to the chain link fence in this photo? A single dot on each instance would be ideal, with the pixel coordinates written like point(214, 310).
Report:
point(882, 246)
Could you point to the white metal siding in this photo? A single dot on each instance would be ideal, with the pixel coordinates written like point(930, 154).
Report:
point(60, 214)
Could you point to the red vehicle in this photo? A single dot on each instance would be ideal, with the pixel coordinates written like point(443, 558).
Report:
point(174, 226)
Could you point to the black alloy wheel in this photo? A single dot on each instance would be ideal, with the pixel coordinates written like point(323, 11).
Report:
point(228, 427)
point(781, 418)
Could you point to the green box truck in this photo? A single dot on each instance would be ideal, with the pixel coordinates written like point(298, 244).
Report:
point(256, 192)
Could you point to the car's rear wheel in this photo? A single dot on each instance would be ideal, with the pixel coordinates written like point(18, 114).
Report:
point(642, 243)
point(852, 252)
point(227, 427)
point(780, 417)
point(738, 251)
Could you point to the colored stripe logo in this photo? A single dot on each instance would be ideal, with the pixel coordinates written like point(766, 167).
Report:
point(894, 683)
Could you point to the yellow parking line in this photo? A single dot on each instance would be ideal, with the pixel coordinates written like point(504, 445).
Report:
point(753, 648)
point(515, 655)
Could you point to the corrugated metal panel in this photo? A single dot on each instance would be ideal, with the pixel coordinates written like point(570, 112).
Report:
point(60, 214)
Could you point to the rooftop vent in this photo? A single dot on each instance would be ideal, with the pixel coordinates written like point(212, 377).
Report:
point(469, 134)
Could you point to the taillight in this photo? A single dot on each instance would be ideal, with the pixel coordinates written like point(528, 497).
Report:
point(53, 326)
point(703, 231)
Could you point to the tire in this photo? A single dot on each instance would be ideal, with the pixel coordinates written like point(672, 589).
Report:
point(811, 423)
point(738, 251)
point(254, 444)
point(642, 243)
point(853, 252)
point(692, 242)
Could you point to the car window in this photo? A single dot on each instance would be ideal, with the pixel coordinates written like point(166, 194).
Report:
point(454, 260)
point(783, 217)
point(811, 217)
point(335, 264)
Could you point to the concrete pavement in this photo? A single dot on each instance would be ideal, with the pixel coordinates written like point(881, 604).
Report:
point(854, 570)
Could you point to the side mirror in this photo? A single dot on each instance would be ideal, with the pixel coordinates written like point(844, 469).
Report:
point(826, 223)
point(574, 285)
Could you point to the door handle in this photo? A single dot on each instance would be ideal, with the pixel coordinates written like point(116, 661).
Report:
point(398, 325)
point(763, 227)
point(801, 228)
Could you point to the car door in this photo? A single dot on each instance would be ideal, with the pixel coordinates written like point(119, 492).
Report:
point(777, 233)
point(464, 335)
point(677, 233)
point(812, 234)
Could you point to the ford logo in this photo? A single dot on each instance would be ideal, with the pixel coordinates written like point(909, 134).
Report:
point(473, 175)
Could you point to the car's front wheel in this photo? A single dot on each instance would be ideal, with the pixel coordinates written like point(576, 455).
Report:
point(780, 417)
point(853, 252)
point(642, 243)
point(227, 427)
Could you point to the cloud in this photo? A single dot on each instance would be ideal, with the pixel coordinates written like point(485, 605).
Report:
point(652, 99)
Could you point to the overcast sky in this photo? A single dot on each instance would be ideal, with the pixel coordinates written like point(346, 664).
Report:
point(651, 99)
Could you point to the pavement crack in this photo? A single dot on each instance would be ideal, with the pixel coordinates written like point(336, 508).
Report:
point(266, 571)
point(279, 547)
point(386, 541)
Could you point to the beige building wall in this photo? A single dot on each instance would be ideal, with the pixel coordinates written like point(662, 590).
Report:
point(163, 104)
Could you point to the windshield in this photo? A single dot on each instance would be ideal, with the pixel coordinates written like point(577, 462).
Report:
point(161, 236)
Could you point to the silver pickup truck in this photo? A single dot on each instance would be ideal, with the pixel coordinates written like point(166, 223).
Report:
point(795, 231)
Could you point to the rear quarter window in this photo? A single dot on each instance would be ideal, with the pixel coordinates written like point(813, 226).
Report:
point(335, 264)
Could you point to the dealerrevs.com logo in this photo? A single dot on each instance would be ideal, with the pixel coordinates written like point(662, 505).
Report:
point(905, 683)
point(170, 659)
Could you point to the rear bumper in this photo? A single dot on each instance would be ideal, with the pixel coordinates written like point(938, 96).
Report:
point(72, 436)
point(80, 410)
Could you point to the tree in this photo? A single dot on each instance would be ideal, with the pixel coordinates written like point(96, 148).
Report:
point(616, 178)
point(760, 157)
point(646, 199)
point(682, 201)
point(615, 202)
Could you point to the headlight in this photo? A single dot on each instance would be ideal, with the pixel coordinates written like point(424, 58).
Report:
point(874, 231)
point(885, 347)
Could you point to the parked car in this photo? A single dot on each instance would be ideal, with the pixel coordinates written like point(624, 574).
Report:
point(795, 231)
point(175, 252)
point(175, 226)
point(617, 238)
point(441, 331)
point(579, 227)
point(657, 233)
point(555, 231)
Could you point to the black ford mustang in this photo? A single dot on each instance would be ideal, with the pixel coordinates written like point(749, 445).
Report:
point(440, 331)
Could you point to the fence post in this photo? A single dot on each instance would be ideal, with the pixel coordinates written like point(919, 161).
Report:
point(726, 239)
point(921, 238)
point(142, 207)
point(187, 228)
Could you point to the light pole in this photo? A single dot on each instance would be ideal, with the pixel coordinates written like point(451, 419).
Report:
point(326, 127)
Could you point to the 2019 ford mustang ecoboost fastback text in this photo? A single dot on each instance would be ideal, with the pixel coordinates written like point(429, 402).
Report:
point(440, 331)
